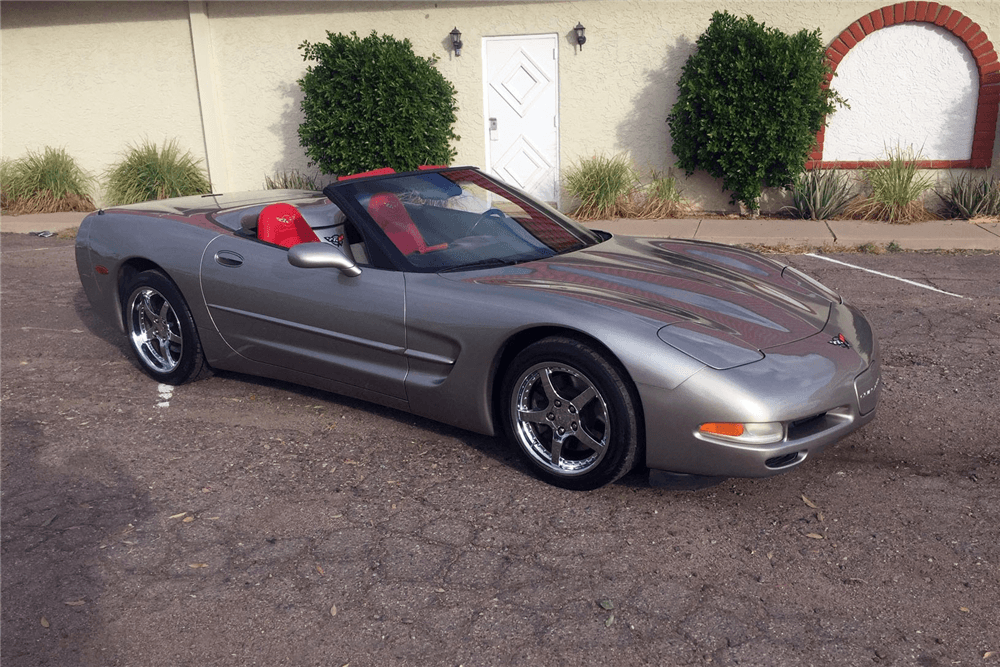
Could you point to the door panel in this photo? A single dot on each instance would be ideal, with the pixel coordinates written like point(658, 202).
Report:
point(521, 75)
point(315, 321)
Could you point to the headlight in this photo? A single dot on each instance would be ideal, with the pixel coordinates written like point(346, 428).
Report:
point(763, 433)
point(712, 348)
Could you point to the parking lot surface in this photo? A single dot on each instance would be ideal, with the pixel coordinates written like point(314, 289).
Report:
point(236, 521)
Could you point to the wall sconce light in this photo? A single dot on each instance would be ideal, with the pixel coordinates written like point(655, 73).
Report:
point(456, 41)
point(580, 38)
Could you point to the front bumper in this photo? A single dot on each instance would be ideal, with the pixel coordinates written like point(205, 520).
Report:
point(819, 392)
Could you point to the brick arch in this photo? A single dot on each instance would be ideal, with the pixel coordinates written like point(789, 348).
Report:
point(975, 40)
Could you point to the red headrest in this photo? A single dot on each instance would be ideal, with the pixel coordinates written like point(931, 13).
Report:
point(283, 225)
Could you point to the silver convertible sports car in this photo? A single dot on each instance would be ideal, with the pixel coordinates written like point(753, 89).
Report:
point(447, 294)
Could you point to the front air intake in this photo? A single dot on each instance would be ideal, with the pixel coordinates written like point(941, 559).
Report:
point(785, 460)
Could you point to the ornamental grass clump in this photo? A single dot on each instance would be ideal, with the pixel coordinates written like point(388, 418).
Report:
point(820, 195)
point(660, 199)
point(290, 180)
point(896, 190)
point(46, 182)
point(971, 197)
point(604, 185)
point(609, 187)
point(147, 172)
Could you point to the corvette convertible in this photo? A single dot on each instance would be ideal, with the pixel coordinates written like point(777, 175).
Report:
point(447, 294)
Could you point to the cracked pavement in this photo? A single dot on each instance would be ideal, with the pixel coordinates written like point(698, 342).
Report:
point(250, 522)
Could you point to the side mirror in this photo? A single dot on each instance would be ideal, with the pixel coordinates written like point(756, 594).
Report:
point(322, 256)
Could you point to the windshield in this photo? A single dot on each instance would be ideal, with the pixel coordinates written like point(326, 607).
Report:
point(461, 218)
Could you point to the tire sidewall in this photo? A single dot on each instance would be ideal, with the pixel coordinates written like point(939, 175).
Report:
point(619, 398)
point(191, 354)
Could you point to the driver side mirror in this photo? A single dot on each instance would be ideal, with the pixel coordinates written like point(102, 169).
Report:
point(318, 255)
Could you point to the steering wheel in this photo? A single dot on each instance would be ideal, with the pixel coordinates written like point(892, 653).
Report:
point(490, 214)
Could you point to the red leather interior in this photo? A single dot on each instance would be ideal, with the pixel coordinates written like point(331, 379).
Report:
point(283, 225)
point(390, 214)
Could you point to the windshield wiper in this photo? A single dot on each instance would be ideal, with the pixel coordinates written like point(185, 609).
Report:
point(485, 263)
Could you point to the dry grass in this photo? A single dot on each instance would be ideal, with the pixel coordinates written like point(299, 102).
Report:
point(46, 182)
point(147, 172)
point(290, 180)
point(609, 187)
point(868, 208)
point(895, 191)
point(46, 202)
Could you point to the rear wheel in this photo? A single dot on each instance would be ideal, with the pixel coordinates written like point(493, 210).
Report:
point(160, 329)
point(572, 413)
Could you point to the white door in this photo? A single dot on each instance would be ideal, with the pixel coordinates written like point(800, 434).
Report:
point(522, 119)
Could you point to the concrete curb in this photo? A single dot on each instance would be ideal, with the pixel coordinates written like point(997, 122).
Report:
point(931, 235)
point(41, 222)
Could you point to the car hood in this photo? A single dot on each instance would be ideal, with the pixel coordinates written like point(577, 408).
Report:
point(698, 290)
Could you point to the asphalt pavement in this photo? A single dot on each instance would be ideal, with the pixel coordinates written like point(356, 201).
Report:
point(237, 521)
point(833, 234)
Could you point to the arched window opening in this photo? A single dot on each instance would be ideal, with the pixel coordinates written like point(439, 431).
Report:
point(931, 82)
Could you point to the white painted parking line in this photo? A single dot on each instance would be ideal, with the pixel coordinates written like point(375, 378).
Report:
point(886, 275)
point(166, 392)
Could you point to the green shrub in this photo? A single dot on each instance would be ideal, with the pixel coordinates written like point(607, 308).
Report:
point(290, 180)
point(971, 197)
point(147, 172)
point(820, 195)
point(46, 182)
point(751, 100)
point(897, 189)
point(371, 103)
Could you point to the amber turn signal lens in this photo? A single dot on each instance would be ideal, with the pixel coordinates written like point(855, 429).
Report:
point(723, 428)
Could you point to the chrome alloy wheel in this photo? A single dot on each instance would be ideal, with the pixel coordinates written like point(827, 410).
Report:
point(560, 419)
point(155, 330)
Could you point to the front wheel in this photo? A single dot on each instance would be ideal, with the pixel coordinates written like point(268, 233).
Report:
point(160, 329)
point(572, 413)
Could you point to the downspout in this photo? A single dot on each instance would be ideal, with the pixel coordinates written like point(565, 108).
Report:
point(209, 106)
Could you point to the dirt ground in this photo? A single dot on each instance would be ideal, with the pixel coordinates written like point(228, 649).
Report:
point(235, 521)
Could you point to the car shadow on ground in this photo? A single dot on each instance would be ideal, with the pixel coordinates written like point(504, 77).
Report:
point(59, 514)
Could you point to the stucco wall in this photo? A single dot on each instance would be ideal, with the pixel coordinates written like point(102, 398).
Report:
point(909, 86)
point(92, 76)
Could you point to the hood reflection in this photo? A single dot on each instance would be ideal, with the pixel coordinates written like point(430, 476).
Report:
point(667, 281)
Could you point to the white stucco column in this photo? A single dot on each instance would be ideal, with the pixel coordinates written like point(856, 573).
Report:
point(211, 111)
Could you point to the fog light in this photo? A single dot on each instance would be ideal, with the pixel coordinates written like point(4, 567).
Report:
point(749, 433)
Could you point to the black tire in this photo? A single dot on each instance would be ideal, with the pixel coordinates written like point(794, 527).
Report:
point(563, 383)
point(160, 329)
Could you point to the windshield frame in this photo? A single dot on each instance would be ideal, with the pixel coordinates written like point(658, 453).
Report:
point(349, 193)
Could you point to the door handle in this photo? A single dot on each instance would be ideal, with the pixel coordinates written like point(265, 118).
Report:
point(228, 258)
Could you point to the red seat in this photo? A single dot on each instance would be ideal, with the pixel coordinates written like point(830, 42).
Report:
point(283, 225)
point(390, 214)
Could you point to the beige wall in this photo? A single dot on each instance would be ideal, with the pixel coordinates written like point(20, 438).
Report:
point(93, 76)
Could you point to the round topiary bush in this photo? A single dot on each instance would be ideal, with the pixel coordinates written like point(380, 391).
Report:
point(751, 100)
point(372, 103)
